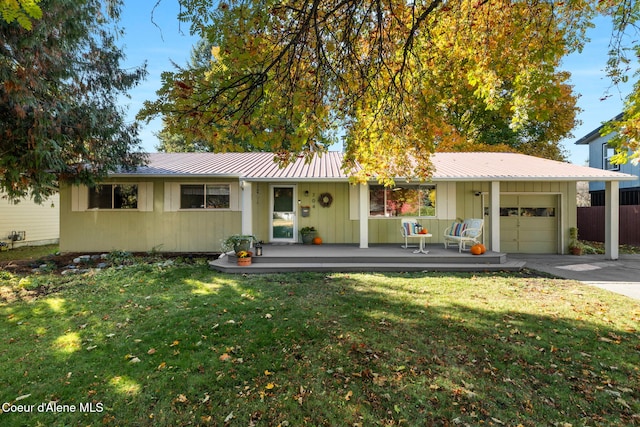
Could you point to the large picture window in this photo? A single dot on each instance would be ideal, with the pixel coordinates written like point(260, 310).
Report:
point(113, 196)
point(406, 200)
point(204, 196)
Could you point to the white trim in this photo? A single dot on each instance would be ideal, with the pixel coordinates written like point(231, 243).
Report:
point(294, 238)
point(611, 220)
point(494, 215)
point(364, 216)
point(246, 208)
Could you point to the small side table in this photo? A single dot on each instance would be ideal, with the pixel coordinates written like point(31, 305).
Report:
point(421, 249)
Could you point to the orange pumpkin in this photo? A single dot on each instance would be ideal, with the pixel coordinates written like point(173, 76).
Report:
point(483, 247)
point(317, 240)
point(476, 249)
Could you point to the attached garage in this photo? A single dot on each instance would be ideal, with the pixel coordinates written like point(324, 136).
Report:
point(529, 223)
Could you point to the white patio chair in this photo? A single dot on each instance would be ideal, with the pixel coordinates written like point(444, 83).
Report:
point(407, 229)
point(463, 233)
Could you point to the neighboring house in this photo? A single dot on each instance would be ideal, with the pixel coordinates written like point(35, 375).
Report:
point(599, 155)
point(189, 202)
point(28, 224)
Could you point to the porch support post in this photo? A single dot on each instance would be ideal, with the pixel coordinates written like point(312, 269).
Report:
point(246, 207)
point(611, 220)
point(363, 209)
point(494, 216)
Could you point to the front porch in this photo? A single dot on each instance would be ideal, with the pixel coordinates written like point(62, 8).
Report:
point(351, 258)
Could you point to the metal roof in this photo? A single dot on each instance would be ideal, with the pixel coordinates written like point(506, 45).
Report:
point(328, 166)
point(515, 167)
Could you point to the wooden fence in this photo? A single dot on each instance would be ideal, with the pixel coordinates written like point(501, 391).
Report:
point(591, 224)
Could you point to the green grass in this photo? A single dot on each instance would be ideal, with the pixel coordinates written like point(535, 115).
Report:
point(150, 345)
point(28, 252)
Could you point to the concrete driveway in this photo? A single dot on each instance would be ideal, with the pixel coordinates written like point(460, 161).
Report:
point(621, 276)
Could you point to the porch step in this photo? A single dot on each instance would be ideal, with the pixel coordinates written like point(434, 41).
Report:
point(275, 267)
point(349, 258)
point(488, 258)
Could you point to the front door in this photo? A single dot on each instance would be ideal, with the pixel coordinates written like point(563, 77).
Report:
point(283, 214)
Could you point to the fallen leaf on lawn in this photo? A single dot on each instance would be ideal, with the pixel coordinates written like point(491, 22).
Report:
point(151, 351)
point(182, 398)
point(229, 417)
point(162, 365)
point(613, 393)
point(623, 402)
point(467, 385)
point(270, 386)
point(224, 357)
point(134, 360)
point(175, 343)
point(471, 394)
point(267, 373)
point(110, 335)
point(24, 396)
point(348, 396)
point(91, 347)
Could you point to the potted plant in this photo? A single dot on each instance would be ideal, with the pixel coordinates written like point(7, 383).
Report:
point(238, 242)
point(574, 244)
point(244, 258)
point(307, 233)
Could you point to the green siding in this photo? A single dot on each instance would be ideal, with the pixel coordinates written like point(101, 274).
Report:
point(202, 231)
point(187, 231)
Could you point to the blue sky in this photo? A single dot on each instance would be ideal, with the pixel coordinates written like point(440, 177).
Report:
point(170, 41)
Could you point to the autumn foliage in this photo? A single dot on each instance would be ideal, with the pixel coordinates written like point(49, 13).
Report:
point(60, 119)
point(395, 80)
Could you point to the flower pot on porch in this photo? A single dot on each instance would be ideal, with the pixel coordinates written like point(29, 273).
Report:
point(307, 238)
point(244, 262)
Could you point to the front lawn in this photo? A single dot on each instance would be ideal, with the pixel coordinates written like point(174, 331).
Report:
point(164, 344)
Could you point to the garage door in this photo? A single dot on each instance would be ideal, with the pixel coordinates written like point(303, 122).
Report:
point(529, 224)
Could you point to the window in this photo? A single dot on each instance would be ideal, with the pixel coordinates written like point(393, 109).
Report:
point(113, 196)
point(607, 153)
point(406, 200)
point(529, 212)
point(204, 196)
